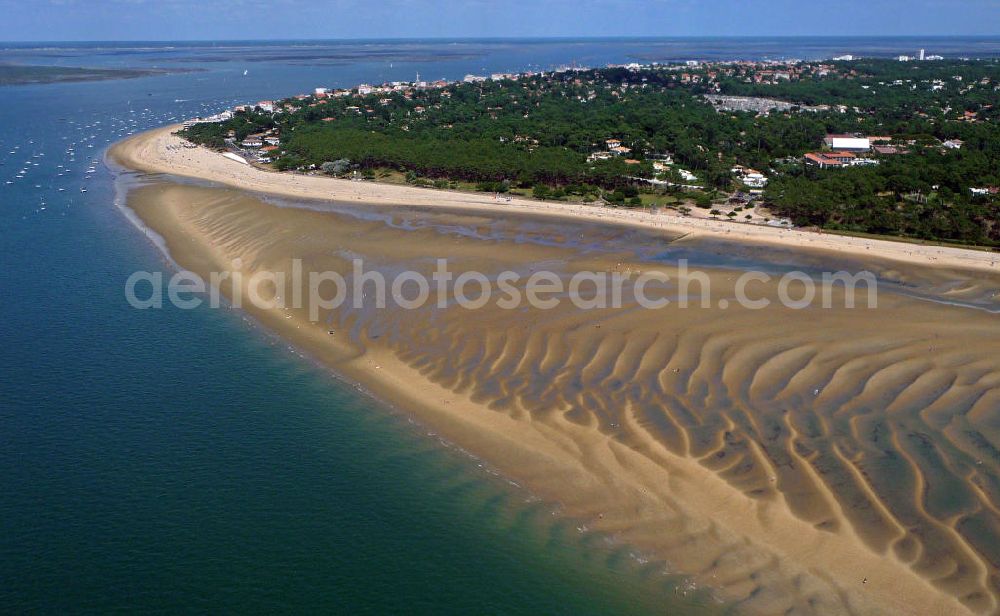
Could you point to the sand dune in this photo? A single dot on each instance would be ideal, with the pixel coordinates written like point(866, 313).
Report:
point(802, 461)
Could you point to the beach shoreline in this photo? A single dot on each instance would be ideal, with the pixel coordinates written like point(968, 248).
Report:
point(162, 151)
point(639, 492)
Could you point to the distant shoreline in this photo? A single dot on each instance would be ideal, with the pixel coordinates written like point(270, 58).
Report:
point(23, 74)
point(161, 151)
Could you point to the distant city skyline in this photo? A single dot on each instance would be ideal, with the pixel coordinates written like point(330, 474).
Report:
point(79, 20)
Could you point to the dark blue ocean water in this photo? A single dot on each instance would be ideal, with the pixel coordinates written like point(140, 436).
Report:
point(185, 461)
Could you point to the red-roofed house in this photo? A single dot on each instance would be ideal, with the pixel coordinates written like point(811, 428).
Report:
point(844, 158)
point(820, 160)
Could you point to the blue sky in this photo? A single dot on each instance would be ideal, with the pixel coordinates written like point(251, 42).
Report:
point(22, 20)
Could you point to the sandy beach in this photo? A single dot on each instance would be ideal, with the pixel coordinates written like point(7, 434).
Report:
point(792, 461)
point(160, 151)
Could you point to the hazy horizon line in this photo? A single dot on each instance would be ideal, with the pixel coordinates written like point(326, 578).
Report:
point(513, 38)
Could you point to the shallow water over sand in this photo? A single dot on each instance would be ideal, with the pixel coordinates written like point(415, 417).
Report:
point(828, 460)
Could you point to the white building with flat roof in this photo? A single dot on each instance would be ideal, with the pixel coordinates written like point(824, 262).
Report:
point(848, 143)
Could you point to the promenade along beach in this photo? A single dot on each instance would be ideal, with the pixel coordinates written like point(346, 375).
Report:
point(792, 461)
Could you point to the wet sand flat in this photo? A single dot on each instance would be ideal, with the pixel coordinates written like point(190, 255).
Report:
point(813, 461)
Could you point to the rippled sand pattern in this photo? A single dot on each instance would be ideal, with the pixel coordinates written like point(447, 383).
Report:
point(859, 446)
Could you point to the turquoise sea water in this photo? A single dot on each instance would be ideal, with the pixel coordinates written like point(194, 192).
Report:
point(185, 461)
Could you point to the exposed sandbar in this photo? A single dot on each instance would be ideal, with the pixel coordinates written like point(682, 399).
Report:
point(835, 461)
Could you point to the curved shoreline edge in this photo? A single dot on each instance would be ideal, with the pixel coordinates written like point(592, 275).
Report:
point(640, 481)
point(161, 151)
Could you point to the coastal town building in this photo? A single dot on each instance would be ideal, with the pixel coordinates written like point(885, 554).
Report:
point(750, 178)
point(252, 142)
point(687, 176)
point(848, 143)
point(886, 150)
point(212, 119)
point(837, 160)
point(818, 159)
point(754, 179)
